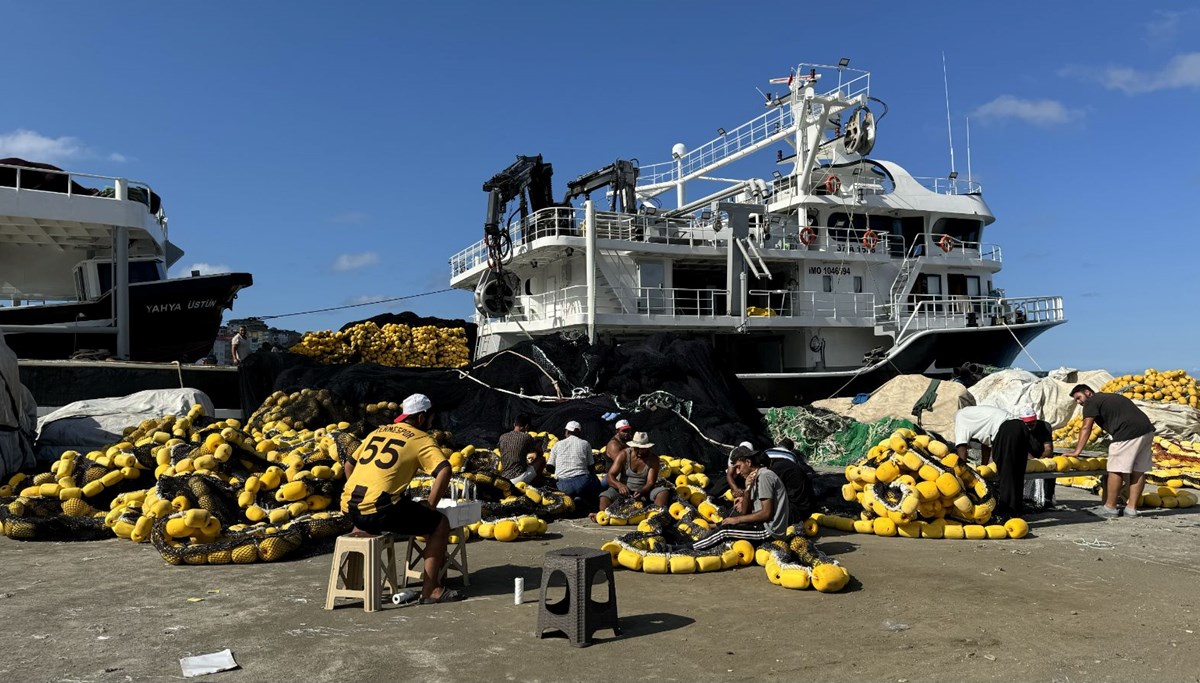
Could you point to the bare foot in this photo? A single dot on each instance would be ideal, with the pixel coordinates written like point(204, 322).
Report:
point(592, 516)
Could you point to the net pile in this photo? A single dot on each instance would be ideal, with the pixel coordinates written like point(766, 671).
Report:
point(827, 438)
point(668, 386)
point(392, 344)
point(912, 486)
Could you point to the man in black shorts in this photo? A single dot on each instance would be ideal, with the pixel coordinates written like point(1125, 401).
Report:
point(376, 495)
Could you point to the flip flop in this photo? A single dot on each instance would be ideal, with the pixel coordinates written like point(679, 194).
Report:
point(448, 595)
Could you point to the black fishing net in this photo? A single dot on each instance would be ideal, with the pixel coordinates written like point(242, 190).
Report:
point(668, 386)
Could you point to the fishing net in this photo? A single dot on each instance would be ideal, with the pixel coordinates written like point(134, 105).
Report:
point(827, 438)
point(668, 386)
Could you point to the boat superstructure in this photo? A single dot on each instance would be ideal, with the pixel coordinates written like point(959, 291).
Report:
point(83, 265)
point(837, 272)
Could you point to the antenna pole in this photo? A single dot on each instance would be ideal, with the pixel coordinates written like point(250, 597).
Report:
point(968, 150)
point(949, 131)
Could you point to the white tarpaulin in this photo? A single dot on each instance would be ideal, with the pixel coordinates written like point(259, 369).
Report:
point(87, 425)
point(1050, 396)
point(18, 416)
point(896, 398)
point(1181, 423)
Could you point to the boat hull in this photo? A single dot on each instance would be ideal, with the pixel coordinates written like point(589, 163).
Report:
point(934, 353)
point(170, 320)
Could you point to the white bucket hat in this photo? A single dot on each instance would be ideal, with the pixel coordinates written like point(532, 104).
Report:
point(640, 440)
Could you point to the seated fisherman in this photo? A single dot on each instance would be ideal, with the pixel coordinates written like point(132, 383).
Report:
point(766, 499)
point(571, 462)
point(635, 473)
point(515, 447)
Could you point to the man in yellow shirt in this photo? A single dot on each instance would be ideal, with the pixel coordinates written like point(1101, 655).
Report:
point(376, 495)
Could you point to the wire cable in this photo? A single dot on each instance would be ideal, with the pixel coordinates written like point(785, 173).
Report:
point(365, 303)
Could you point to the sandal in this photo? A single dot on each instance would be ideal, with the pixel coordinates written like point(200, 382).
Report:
point(448, 595)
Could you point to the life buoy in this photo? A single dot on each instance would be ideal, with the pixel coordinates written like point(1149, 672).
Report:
point(807, 235)
point(946, 243)
point(832, 184)
point(870, 239)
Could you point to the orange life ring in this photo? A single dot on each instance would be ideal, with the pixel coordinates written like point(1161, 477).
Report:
point(946, 243)
point(807, 235)
point(870, 239)
point(832, 184)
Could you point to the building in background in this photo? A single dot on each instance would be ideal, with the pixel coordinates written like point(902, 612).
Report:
point(257, 332)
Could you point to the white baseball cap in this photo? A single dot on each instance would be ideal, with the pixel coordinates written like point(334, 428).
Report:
point(574, 426)
point(623, 424)
point(417, 403)
point(1026, 412)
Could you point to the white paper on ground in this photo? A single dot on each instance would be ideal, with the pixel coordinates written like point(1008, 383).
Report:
point(201, 665)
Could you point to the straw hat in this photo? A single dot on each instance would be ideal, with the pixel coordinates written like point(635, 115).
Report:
point(640, 440)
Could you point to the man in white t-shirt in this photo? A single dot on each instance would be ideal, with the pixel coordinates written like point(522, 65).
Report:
point(978, 424)
point(239, 345)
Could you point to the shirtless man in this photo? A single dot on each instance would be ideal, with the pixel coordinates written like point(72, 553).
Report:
point(618, 443)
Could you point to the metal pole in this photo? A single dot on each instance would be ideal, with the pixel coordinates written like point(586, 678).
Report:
point(589, 227)
point(121, 281)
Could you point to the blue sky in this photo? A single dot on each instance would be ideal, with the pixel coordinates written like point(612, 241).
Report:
point(337, 151)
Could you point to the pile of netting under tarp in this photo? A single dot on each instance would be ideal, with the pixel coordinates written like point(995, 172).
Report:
point(827, 438)
point(668, 386)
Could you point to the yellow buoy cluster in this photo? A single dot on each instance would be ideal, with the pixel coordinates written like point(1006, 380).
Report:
point(203, 491)
point(1063, 463)
point(393, 344)
point(912, 486)
point(1172, 386)
point(1067, 436)
point(662, 541)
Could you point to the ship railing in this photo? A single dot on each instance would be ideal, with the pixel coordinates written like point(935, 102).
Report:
point(795, 303)
point(32, 179)
point(674, 302)
point(949, 311)
point(950, 185)
point(569, 222)
point(837, 240)
point(741, 140)
point(931, 247)
point(554, 305)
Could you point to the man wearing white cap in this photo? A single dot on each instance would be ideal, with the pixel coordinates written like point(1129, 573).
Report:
point(376, 497)
point(571, 462)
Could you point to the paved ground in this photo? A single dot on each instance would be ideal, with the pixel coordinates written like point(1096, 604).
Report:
point(1079, 600)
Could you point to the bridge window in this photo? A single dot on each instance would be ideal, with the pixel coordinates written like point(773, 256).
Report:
point(962, 229)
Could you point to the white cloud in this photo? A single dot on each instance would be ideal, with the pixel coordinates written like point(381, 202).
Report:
point(348, 262)
point(1037, 112)
point(33, 146)
point(1182, 71)
point(350, 218)
point(1168, 24)
point(366, 299)
point(207, 269)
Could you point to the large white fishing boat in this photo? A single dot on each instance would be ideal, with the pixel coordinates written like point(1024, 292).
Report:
point(832, 275)
point(83, 264)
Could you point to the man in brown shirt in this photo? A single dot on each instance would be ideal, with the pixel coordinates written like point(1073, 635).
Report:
point(515, 447)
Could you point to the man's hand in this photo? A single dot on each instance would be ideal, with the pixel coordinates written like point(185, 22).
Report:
point(738, 493)
point(730, 521)
point(751, 479)
point(622, 489)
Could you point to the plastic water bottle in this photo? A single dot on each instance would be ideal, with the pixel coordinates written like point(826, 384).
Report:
point(518, 590)
point(406, 596)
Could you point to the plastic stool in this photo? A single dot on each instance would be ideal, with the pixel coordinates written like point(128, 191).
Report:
point(577, 615)
point(362, 564)
point(456, 559)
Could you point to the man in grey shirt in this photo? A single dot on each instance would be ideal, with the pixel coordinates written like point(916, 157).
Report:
point(765, 496)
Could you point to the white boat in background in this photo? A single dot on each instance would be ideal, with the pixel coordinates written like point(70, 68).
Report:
point(83, 265)
point(832, 275)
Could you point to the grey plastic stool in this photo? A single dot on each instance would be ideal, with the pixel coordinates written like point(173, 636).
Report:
point(577, 615)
